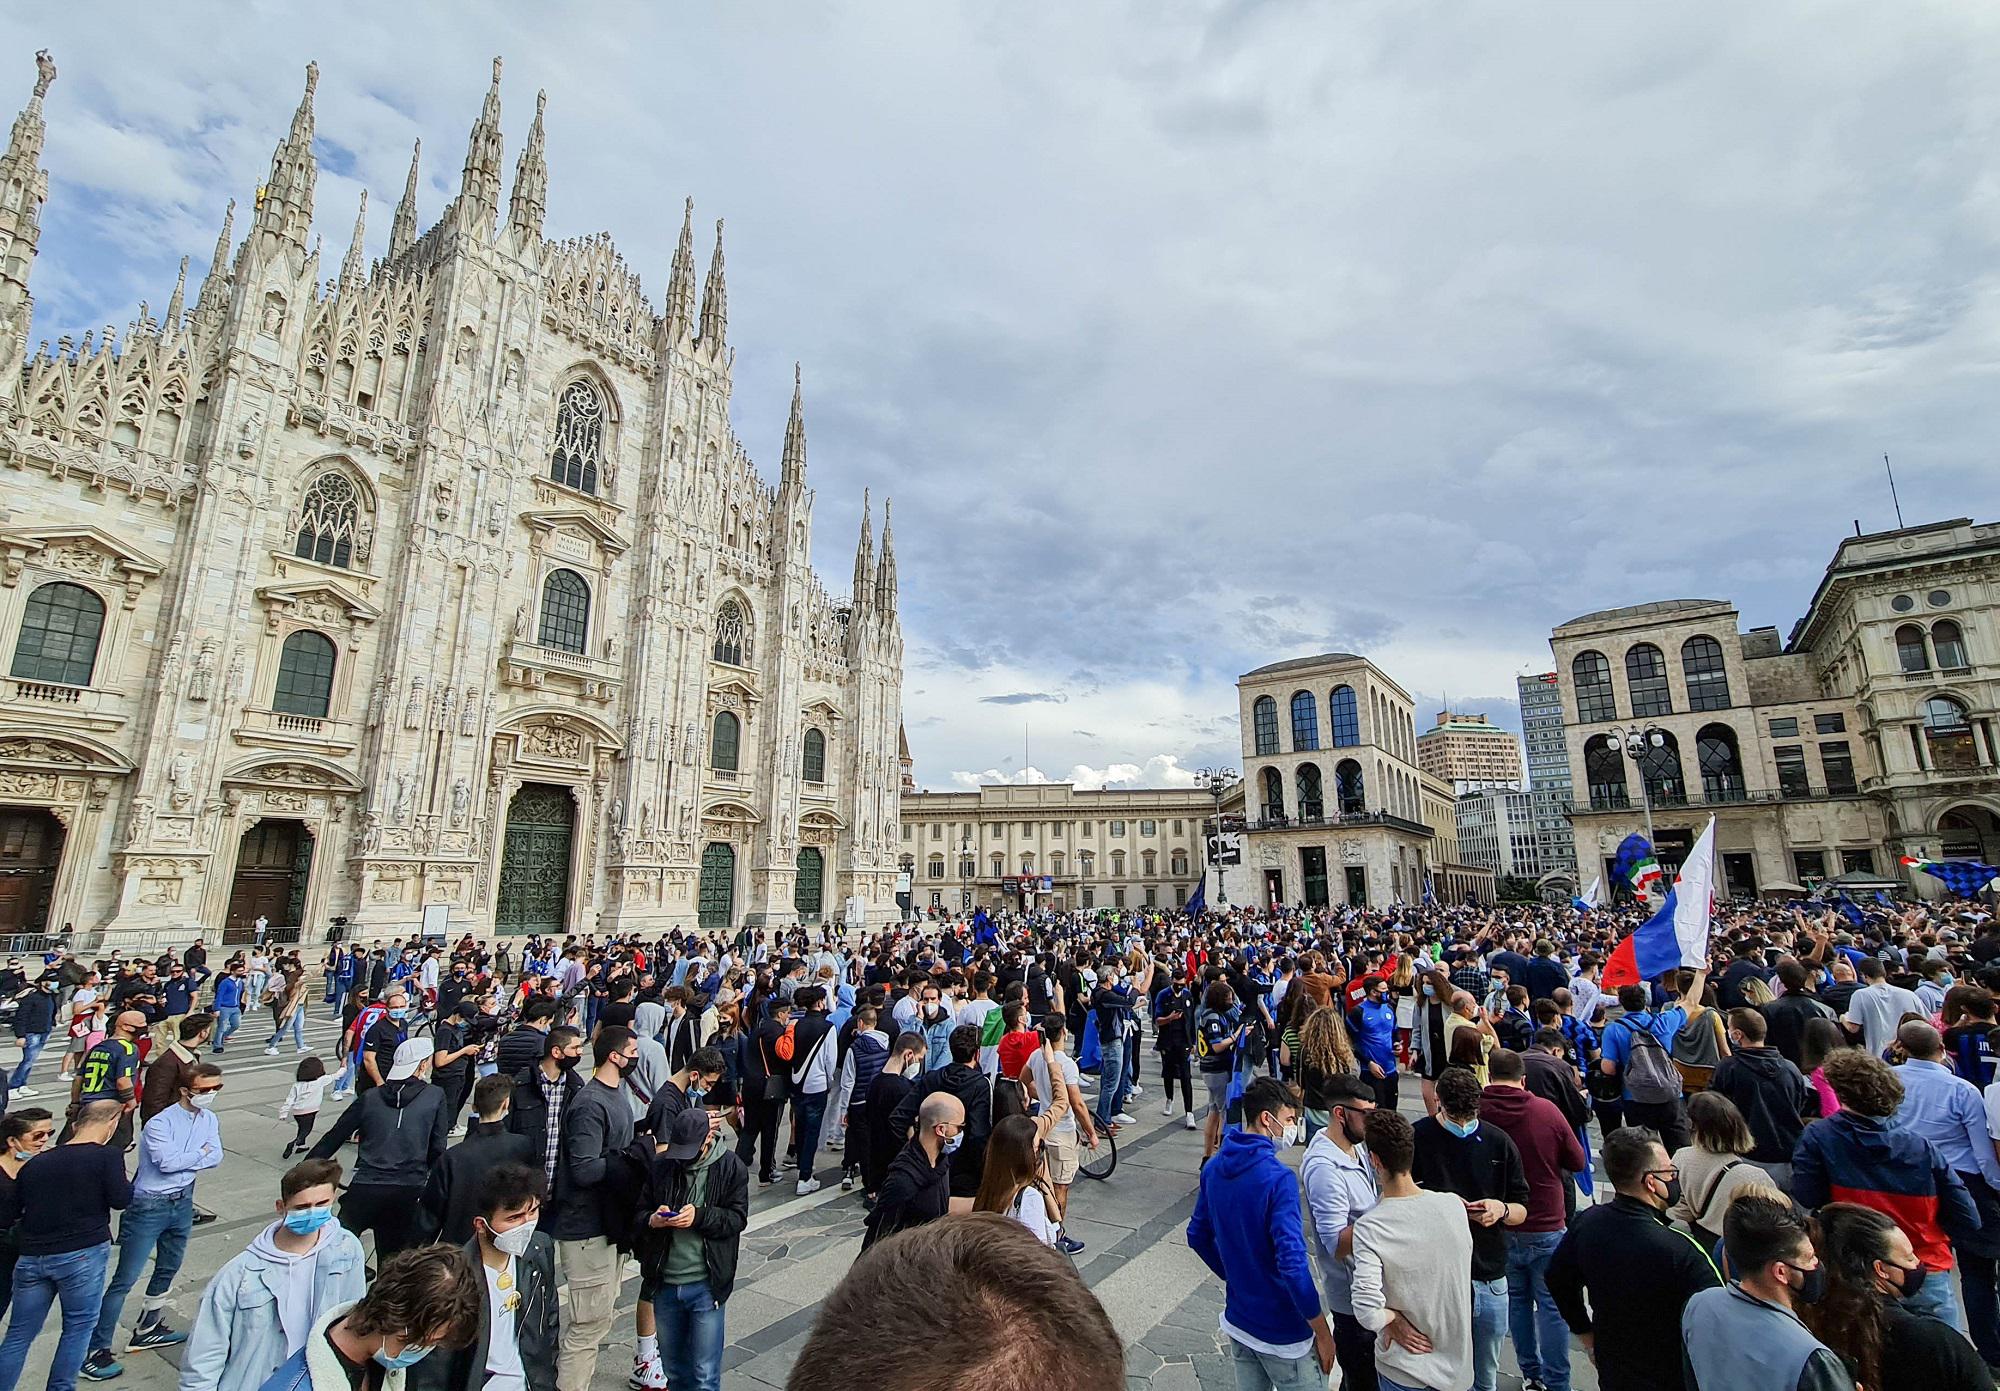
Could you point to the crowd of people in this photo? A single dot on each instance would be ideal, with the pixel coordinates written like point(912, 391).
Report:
point(1776, 1168)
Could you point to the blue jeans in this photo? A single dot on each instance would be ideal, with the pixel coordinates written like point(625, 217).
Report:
point(1489, 1320)
point(1261, 1371)
point(152, 1226)
point(811, 1115)
point(1541, 1338)
point(76, 1277)
point(691, 1339)
point(31, 1049)
point(228, 1019)
point(1110, 1080)
point(1938, 1298)
point(298, 1027)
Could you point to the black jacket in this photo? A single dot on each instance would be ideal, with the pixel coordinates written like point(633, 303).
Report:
point(719, 1219)
point(36, 1013)
point(1554, 1080)
point(975, 1093)
point(1786, 1018)
point(916, 1191)
point(1774, 1097)
point(528, 1112)
point(451, 1196)
point(1639, 1273)
point(404, 1127)
point(519, 1048)
point(537, 1329)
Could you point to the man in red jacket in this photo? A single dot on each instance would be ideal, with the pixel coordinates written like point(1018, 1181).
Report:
point(1550, 1153)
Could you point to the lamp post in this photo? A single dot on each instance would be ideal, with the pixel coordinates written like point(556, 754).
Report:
point(1217, 781)
point(1635, 742)
point(965, 872)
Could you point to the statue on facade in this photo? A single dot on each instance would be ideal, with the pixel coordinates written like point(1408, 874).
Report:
point(203, 674)
point(461, 802)
point(400, 800)
point(180, 781)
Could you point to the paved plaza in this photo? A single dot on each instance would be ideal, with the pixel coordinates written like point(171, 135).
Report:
point(1161, 1298)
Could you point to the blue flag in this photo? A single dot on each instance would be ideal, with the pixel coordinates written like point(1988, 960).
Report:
point(1851, 910)
point(1635, 863)
point(1430, 894)
point(1965, 878)
point(1197, 902)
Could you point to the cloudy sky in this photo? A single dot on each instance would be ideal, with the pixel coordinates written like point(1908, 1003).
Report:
point(1192, 337)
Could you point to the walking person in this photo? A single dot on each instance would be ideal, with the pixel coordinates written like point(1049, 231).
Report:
point(110, 1072)
point(63, 1200)
point(168, 1069)
point(34, 1020)
point(1173, 1028)
point(401, 1126)
point(176, 1146)
point(259, 1308)
point(287, 999)
point(301, 1104)
point(230, 988)
point(698, 1203)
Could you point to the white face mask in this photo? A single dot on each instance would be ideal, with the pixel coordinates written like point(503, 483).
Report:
point(203, 1100)
point(1291, 1136)
point(514, 1241)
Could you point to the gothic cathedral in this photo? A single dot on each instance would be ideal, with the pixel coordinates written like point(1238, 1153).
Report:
point(440, 592)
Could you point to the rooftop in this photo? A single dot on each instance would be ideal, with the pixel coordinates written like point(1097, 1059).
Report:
point(1300, 663)
point(1658, 608)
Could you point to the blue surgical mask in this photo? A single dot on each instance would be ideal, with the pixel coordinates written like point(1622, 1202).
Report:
point(695, 1094)
point(411, 1354)
point(308, 1221)
point(398, 1013)
point(1464, 1132)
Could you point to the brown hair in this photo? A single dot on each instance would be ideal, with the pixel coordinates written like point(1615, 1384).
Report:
point(432, 1290)
point(1324, 1044)
point(1863, 1084)
point(1011, 1167)
point(1020, 1317)
point(308, 1173)
point(1718, 1126)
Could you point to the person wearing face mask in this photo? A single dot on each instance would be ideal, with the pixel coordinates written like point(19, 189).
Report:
point(519, 1326)
point(176, 1145)
point(917, 1187)
point(403, 1127)
point(1373, 1025)
point(543, 1094)
point(383, 1038)
point(259, 1307)
point(891, 1085)
point(34, 1020)
point(23, 1135)
point(587, 1206)
point(1340, 1188)
point(1872, 1271)
point(1748, 1335)
point(694, 1208)
point(452, 1193)
point(1246, 1228)
point(1622, 1274)
point(423, 1301)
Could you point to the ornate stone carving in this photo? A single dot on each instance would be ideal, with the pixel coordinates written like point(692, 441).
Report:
point(203, 673)
point(39, 751)
point(553, 738)
point(28, 784)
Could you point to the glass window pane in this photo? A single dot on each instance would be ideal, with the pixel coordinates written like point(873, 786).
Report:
point(1305, 722)
point(1595, 699)
point(565, 612)
point(1707, 678)
point(722, 745)
point(1264, 722)
point(1646, 678)
point(305, 676)
point(60, 627)
point(1345, 718)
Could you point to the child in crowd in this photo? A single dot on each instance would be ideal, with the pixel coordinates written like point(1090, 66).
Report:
point(301, 1103)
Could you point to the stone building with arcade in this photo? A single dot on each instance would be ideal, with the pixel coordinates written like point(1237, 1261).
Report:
point(440, 582)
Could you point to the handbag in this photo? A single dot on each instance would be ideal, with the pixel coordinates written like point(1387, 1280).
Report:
point(1701, 1208)
point(775, 1083)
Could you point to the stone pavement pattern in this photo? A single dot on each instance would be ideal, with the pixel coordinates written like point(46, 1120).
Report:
point(1160, 1297)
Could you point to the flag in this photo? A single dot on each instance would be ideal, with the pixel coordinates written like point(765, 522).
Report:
point(1883, 898)
point(1850, 910)
point(1635, 863)
point(1965, 878)
point(1430, 893)
point(1677, 935)
point(1197, 902)
point(1592, 897)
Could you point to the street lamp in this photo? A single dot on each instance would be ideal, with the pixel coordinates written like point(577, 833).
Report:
point(965, 872)
point(1217, 781)
point(1635, 742)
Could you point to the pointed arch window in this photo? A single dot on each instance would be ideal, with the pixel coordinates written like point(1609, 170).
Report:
point(813, 761)
point(1264, 723)
point(1305, 722)
point(565, 612)
point(59, 633)
point(725, 742)
point(328, 519)
point(305, 675)
point(1344, 717)
point(578, 454)
point(1590, 673)
point(731, 634)
point(1646, 680)
point(1707, 676)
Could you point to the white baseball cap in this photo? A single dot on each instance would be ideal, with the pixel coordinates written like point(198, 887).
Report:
point(410, 1055)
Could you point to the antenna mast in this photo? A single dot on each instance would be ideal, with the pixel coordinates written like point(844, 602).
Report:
point(1892, 491)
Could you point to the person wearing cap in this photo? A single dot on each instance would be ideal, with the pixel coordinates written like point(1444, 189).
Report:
point(403, 1126)
point(695, 1207)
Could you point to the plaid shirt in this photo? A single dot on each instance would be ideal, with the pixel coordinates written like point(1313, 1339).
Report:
point(1472, 979)
point(552, 1093)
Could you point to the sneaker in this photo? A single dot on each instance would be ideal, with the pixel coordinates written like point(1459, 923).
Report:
point(648, 1374)
point(202, 1219)
point(157, 1334)
point(1122, 1119)
point(26, 1091)
point(847, 1183)
point(836, 1143)
point(458, 1130)
point(290, 1145)
point(808, 1185)
point(100, 1366)
point(1166, 1108)
point(767, 1179)
point(272, 1051)
point(1068, 1244)
point(67, 1076)
point(1137, 1090)
point(1188, 1122)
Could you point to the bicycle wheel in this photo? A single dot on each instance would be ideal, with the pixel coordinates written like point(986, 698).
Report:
point(1100, 1162)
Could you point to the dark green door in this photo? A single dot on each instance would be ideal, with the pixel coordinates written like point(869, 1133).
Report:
point(534, 864)
point(718, 886)
point(807, 889)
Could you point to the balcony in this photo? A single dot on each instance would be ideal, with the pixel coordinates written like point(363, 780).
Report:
point(91, 707)
point(1269, 822)
point(537, 668)
point(275, 729)
point(1721, 797)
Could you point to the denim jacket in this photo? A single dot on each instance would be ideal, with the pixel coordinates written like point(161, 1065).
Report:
point(237, 1341)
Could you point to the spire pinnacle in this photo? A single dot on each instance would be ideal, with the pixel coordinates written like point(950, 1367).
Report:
point(350, 268)
point(680, 283)
point(403, 231)
point(177, 300)
point(24, 146)
point(885, 574)
point(214, 297)
point(794, 467)
point(529, 205)
point(864, 558)
point(285, 204)
point(715, 298)
point(479, 186)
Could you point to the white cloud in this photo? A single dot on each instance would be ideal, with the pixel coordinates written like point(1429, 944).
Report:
point(1161, 770)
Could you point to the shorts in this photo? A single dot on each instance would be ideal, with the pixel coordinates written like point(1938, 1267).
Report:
point(1218, 1092)
point(1060, 1153)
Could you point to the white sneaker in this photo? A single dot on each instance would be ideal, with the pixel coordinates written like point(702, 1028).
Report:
point(1137, 1090)
point(458, 1130)
point(65, 1076)
point(835, 1143)
point(272, 1051)
point(1122, 1119)
point(1167, 1107)
point(26, 1091)
point(1189, 1124)
point(808, 1185)
point(648, 1374)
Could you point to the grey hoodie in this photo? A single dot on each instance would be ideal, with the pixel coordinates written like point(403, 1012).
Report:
point(404, 1126)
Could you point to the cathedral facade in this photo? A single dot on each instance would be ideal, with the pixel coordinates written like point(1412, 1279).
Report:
point(436, 592)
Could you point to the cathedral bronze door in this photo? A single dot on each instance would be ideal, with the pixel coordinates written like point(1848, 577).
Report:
point(718, 887)
point(535, 862)
point(31, 843)
point(273, 865)
point(808, 891)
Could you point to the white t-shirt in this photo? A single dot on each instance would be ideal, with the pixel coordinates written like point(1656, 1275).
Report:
point(1879, 1010)
point(503, 1346)
point(1038, 1070)
point(974, 1012)
point(1031, 1209)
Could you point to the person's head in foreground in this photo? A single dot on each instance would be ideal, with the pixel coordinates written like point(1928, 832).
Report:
point(422, 1300)
point(1001, 1312)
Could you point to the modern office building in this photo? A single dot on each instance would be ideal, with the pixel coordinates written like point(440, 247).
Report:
point(1496, 831)
point(1470, 751)
point(1548, 771)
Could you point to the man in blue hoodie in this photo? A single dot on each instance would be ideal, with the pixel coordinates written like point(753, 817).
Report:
point(1246, 1226)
